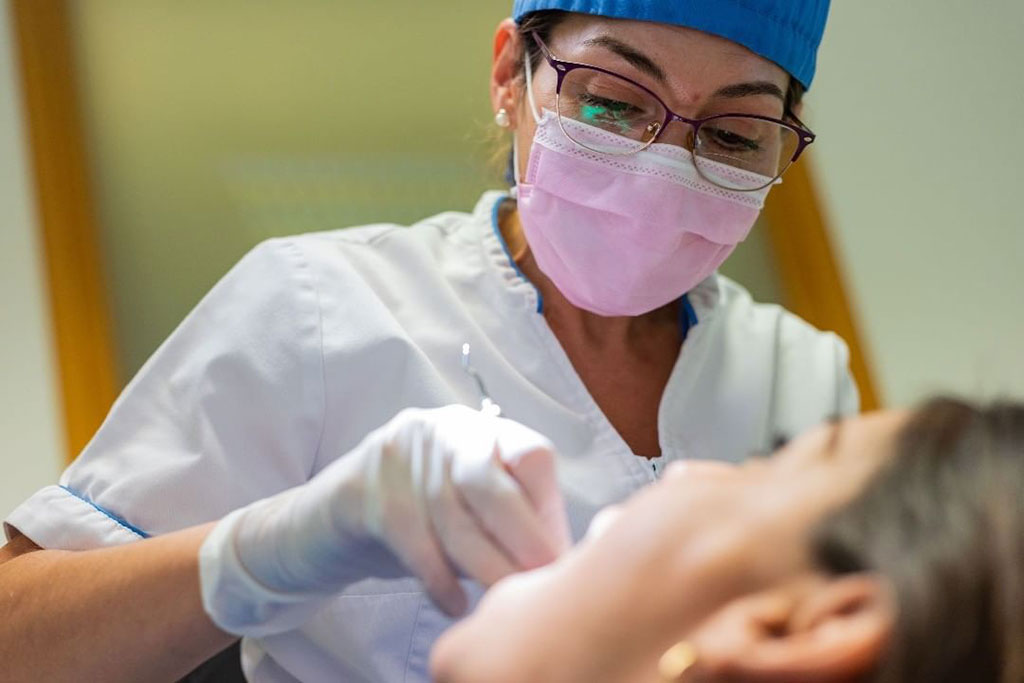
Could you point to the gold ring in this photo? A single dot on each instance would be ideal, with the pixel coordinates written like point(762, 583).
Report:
point(677, 660)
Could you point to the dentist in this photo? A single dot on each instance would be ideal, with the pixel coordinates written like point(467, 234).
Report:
point(297, 465)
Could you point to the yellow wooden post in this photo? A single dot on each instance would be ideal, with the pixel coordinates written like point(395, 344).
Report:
point(78, 298)
point(809, 271)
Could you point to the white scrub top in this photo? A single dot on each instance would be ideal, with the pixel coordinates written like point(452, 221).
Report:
point(311, 342)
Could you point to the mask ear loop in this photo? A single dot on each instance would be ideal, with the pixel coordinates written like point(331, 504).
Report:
point(528, 70)
point(527, 67)
point(514, 190)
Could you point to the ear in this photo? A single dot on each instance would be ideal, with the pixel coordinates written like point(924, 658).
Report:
point(830, 630)
point(507, 52)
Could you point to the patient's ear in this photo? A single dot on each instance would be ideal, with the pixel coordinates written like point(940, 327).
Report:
point(819, 630)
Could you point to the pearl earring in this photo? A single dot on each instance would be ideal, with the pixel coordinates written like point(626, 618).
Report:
point(502, 118)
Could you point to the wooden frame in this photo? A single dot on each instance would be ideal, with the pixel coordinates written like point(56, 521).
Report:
point(78, 302)
point(809, 272)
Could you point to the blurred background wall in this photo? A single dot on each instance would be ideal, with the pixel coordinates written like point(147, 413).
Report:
point(920, 106)
point(31, 448)
point(214, 124)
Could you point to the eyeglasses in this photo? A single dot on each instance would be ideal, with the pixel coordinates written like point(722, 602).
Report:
point(741, 152)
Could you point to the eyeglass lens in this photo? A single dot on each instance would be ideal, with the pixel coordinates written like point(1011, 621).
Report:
point(735, 152)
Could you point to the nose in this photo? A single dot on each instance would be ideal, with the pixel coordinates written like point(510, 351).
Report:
point(678, 133)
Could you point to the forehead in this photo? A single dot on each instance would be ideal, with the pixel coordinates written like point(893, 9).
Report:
point(684, 54)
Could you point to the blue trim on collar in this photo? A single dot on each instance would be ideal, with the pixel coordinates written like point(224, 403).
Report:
point(135, 530)
point(687, 316)
point(501, 240)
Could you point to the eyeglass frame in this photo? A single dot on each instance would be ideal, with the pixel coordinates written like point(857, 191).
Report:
point(562, 68)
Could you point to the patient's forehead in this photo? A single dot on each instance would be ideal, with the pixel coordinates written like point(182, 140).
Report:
point(862, 440)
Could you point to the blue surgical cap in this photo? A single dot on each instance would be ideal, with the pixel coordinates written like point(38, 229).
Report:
point(786, 32)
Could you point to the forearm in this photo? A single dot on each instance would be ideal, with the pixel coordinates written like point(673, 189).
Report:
point(130, 613)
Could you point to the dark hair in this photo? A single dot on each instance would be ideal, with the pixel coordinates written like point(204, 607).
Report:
point(943, 521)
point(544, 22)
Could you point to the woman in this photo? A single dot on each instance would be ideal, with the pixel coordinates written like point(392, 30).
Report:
point(888, 549)
point(296, 461)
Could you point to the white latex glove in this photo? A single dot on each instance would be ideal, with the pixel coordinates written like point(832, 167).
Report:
point(444, 491)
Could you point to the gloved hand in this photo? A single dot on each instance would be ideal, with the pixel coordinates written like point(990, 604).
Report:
point(439, 491)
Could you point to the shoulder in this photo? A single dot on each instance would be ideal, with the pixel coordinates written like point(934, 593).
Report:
point(379, 266)
point(764, 321)
point(809, 365)
point(427, 243)
point(355, 242)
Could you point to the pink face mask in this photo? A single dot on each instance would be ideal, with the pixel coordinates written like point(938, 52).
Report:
point(623, 235)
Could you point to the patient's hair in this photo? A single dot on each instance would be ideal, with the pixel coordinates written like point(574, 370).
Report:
point(944, 522)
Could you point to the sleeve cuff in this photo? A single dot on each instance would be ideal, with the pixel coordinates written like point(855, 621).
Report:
point(57, 518)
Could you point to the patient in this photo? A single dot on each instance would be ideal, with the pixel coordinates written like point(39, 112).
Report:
point(887, 548)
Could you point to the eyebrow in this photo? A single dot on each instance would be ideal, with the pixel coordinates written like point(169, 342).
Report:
point(630, 54)
point(649, 67)
point(752, 88)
